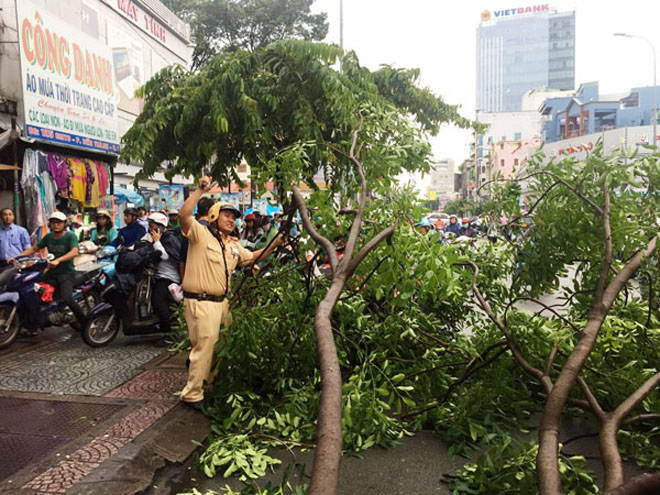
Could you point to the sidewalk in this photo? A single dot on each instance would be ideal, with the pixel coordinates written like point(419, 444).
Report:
point(74, 419)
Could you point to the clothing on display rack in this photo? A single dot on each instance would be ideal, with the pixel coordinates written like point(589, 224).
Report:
point(50, 180)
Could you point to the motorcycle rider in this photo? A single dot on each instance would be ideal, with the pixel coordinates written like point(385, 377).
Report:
point(424, 226)
point(105, 231)
point(63, 245)
point(468, 230)
point(252, 232)
point(453, 227)
point(167, 271)
point(133, 231)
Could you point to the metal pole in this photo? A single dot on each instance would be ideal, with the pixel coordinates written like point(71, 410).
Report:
point(655, 97)
point(341, 24)
point(17, 196)
point(341, 33)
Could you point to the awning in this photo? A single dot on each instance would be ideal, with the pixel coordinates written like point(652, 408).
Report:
point(123, 195)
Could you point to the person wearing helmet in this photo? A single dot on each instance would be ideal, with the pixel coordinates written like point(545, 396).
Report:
point(453, 227)
point(173, 216)
point(167, 272)
point(252, 233)
point(467, 230)
point(212, 257)
point(424, 226)
point(133, 231)
point(105, 232)
point(63, 245)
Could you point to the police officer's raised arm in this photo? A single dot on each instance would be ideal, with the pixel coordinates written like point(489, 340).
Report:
point(186, 211)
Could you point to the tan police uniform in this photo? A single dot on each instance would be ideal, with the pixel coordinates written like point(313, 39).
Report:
point(205, 274)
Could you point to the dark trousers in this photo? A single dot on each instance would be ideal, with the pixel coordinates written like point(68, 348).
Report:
point(63, 283)
point(162, 300)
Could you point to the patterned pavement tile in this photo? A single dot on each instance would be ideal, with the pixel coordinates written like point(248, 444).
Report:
point(71, 367)
point(139, 420)
point(98, 450)
point(62, 477)
point(151, 385)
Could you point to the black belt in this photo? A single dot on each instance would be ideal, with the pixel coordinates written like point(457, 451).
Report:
point(204, 296)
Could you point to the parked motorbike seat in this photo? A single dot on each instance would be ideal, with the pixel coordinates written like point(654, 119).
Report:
point(81, 277)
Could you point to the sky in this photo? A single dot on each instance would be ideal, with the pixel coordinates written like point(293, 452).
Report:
point(439, 37)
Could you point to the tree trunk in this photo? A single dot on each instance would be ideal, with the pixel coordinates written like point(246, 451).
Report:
point(547, 459)
point(609, 449)
point(325, 474)
point(645, 484)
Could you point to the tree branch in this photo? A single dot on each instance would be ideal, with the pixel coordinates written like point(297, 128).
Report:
point(641, 418)
point(320, 240)
point(551, 359)
point(367, 248)
point(591, 399)
point(545, 306)
point(535, 372)
point(645, 484)
point(357, 221)
point(549, 428)
point(607, 262)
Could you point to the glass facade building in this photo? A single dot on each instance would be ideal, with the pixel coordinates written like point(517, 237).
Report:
point(518, 52)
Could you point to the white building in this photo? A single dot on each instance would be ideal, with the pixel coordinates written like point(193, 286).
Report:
point(505, 128)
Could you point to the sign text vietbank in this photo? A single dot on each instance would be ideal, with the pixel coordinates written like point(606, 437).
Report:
point(488, 15)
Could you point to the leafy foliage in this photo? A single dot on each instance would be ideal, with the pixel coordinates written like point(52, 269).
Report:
point(231, 25)
point(511, 469)
point(287, 112)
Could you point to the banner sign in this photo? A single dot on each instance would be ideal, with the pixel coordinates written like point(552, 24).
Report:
point(487, 15)
point(67, 77)
point(170, 197)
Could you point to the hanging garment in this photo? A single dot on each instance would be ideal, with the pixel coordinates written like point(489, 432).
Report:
point(103, 177)
point(59, 169)
point(30, 165)
point(92, 189)
point(32, 197)
point(78, 179)
point(50, 191)
point(42, 159)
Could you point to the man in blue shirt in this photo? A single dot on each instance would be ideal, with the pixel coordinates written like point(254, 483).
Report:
point(13, 239)
point(133, 231)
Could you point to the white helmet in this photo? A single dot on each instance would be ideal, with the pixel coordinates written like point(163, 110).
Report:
point(159, 218)
point(57, 215)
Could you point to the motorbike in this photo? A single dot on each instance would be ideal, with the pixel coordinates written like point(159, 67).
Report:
point(22, 304)
point(132, 315)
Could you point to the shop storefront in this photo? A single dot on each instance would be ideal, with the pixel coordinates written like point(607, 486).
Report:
point(69, 140)
point(71, 71)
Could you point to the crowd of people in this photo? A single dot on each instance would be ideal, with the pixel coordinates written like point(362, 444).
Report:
point(488, 225)
point(197, 253)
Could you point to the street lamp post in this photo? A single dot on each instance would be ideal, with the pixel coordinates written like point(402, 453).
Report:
point(655, 100)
